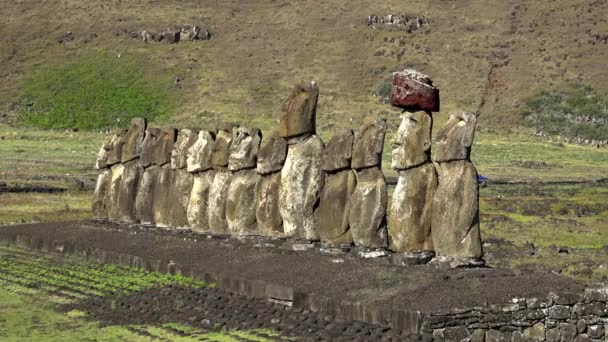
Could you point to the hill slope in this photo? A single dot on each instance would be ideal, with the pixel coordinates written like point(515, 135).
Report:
point(482, 54)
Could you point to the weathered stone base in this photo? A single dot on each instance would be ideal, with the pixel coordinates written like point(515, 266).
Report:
point(406, 259)
point(443, 262)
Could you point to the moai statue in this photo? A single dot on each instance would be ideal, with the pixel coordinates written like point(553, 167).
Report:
point(340, 182)
point(113, 156)
point(367, 214)
point(181, 179)
point(163, 176)
point(100, 196)
point(155, 152)
point(221, 180)
point(199, 164)
point(301, 176)
point(409, 220)
point(132, 170)
point(270, 162)
point(455, 221)
point(240, 197)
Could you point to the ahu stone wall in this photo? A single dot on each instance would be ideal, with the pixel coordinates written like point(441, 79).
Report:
point(233, 180)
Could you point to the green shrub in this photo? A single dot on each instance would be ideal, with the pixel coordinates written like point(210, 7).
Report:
point(94, 91)
point(578, 113)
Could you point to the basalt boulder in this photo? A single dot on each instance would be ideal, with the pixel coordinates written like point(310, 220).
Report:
point(133, 139)
point(367, 215)
point(244, 148)
point(338, 151)
point(301, 184)
point(414, 91)
point(409, 220)
point(199, 154)
point(368, 144)
point(271, 155)
point(412, 143)
point(456, 137)
point(197, 212)
point(298, 111)
point(334, 207)
point(217, 202)
point(101, 196)
point(268, 215)
point(179, 156)
point(455, 217)
point(221, 147)
point(241, 203)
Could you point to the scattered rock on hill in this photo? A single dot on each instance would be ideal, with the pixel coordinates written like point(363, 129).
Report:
point(400, 22)
point(171, 35)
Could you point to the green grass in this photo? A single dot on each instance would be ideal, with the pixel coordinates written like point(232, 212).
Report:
point(39, 207)
point(97, 90)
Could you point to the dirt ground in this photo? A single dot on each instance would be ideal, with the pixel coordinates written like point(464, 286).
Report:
point(342, 277)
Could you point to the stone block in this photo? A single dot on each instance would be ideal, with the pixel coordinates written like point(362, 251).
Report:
point(456, 334)
point(536, 332)
point(414, 91)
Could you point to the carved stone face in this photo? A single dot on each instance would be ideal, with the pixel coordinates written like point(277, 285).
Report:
point(115, 147)
point(456, 137)
point(244, 148)
point(338, 151)
point(133, 139)
point(298, 112)
point(221, 148)
point(179, 156)
point(412, 143)
point(369, 144)
point(199, 154)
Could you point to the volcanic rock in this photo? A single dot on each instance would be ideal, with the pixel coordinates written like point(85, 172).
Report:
point(241, 203)
point(199, 154)
point(412, 143)
point(456, 137)
point(338, 151)
point(133, 139)
point(409, 220)
point(298, 111)
point(369, 144)
point(244, 148)
point(217, 202)
point(268, 215)
point(301, 184)
point(197, 211)
point(271, 155)
point(100, 196)
point(367, 215)
point(334, 207)
point(414, 91)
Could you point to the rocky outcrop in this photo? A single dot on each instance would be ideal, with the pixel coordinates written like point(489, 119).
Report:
point(367, 215)
point(455, 219)
point(398, 22)
point(298, 112)
point(335, 198)
point(271, 158)
point(172, 35)
point(301, 184)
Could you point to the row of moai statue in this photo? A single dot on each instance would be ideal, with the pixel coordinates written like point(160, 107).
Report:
point(227, 182)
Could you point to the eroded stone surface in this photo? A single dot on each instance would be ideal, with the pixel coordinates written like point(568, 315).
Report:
point(101, 162)
point(133, 139)
point(409, 220)
point(334, 207)
point(197, 212)
point(221, 147)
point(301, 184)
point(298, 111)
point(412, 143)
point(113, 192)
point(369, 144)
point(160, 202)
point(101, 195)
point(367, 216)
point(179, 156)
point(199, 154)
point(268, 215)
point(128, 190)
point(414, 91)
point(244, 148)
point(145, 195)
point(149, 146)
point(115, 146)
point(271, 155)
point(338, 151)
point(217, 202)
point(241, 203)
point(455, 218)
point(456, 137)
point(181, 186)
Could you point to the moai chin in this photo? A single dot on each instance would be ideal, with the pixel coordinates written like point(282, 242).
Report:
point(271, 158)
point(334, 205)
point(409, 221)
point(455, 219)
point(298, 112)
point(367, 214)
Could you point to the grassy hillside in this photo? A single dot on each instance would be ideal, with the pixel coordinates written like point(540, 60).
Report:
point(482, 54)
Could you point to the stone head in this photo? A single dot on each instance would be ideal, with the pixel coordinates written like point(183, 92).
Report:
point(369, 143)
point(179, 156)
point(114, 147)
point(199, 154)
point(298, 111)
point(456, 137)
point(133, 139)
point(244, 148)
point(338, 151)
point(272, 154)
point(412, 143)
